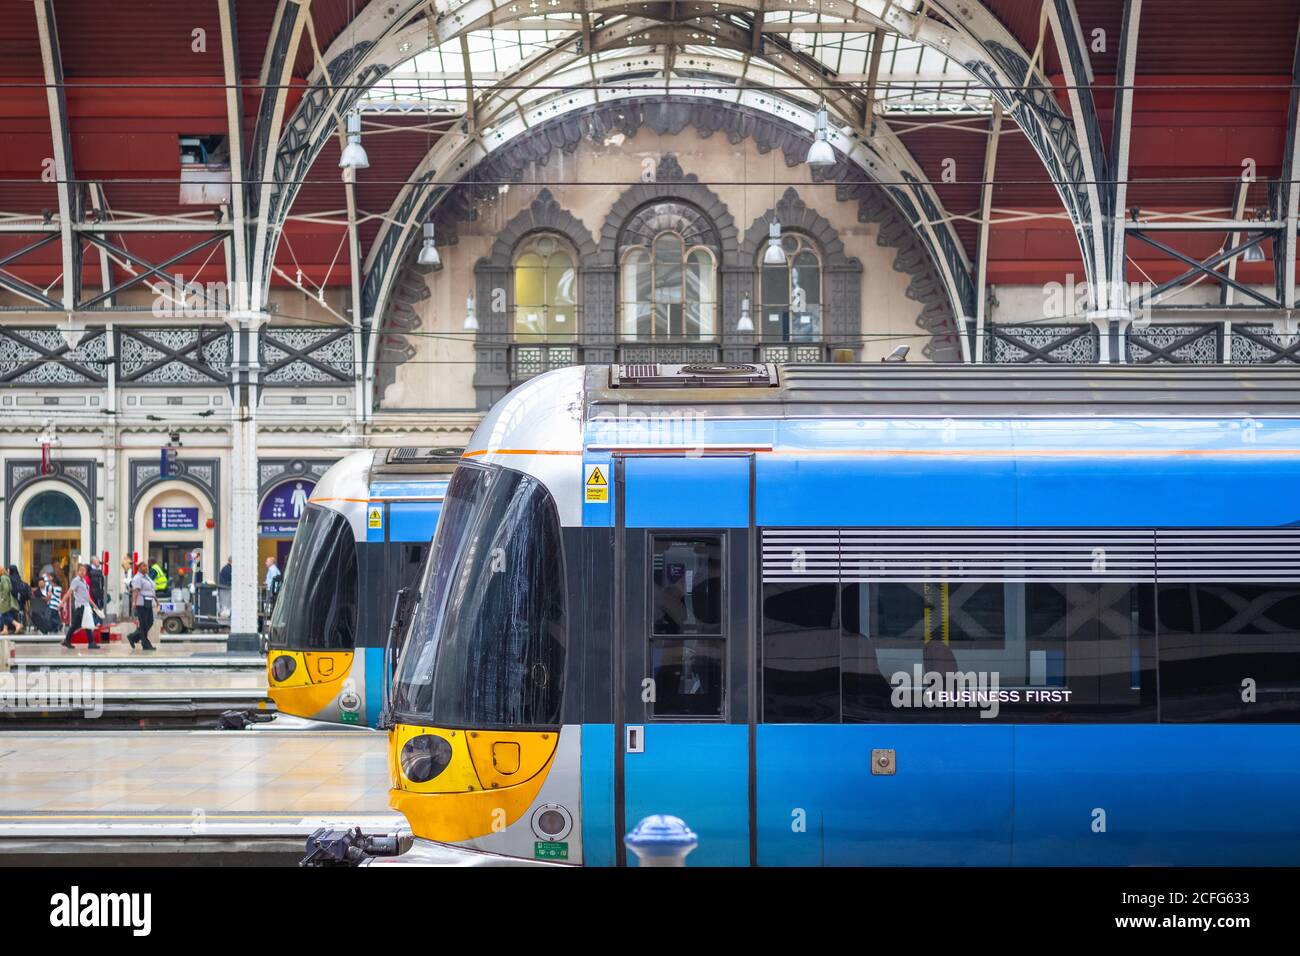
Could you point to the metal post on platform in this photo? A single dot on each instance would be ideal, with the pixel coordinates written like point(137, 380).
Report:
point(661, 840)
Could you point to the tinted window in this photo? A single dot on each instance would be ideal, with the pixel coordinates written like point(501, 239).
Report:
point(317, 606)
point(687, 652)
point(801, 653)
point(490, 649)
point(955, 651)
point(1230, 652)
point(413, 682)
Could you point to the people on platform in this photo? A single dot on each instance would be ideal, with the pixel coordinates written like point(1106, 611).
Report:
point(159, 577)
point(22, 594)
point(81, 608)
point(49, 598)
point(271, 583)
point(95, 578)
point(10, 622)
point(143, 594)
point(227, 576)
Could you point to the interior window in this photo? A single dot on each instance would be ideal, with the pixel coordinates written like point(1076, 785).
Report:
point(687, 651)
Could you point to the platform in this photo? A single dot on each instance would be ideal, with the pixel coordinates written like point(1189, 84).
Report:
point(128, 795)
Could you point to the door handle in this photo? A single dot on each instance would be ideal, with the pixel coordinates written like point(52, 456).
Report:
point(634, 738)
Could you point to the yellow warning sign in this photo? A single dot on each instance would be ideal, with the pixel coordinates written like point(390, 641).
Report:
point(376, 518)
point(597, 484)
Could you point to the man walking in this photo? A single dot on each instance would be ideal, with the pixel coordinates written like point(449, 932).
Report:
point(142, 598)
point(80, 606)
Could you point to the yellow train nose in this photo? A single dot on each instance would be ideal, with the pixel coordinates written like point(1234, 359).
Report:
point(306, 683)
point(455, 785)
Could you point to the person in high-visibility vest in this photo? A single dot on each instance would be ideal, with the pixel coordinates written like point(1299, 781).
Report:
point(159, 577)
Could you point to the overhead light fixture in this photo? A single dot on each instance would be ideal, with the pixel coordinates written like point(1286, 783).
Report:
point(429, 252)
point(775, 255)
point(471, 323)
point(746, 322)
point(1253, 253)
point(354, 154)
point(821, 153)
point(73, 331)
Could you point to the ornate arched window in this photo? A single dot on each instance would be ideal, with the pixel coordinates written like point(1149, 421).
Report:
point(669, 274)
point(546, 290)
point(790, 294)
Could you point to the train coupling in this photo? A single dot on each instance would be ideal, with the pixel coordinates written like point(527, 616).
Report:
point(331, 847)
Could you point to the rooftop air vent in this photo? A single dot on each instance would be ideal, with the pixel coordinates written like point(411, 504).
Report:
point(412, 456)
point(693, 376)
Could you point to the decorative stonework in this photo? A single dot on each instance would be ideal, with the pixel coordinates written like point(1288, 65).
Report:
point(77, 473)
point(203, 473)
point(893, 208)
point(493, 367)
point(842, 274)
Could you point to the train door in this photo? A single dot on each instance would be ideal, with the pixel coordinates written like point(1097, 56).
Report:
point(684, 538)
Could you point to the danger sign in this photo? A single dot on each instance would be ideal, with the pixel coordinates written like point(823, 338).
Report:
point(597, 484)
point(376, 518)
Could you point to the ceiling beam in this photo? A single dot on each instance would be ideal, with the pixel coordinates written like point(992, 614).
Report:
point(61, 143)
point(1121, 132)
point(986, 214)
point(278, 71)
point(235, 137)
point(1285, 256)
point(1071, 46)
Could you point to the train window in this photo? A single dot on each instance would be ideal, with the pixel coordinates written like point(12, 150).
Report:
point(1018, 652)
point(687, 651)
point(801, 653)
point(317, 606)
point(413, 683)
point(502, 636)
point(1229, 652)
point(688, 677)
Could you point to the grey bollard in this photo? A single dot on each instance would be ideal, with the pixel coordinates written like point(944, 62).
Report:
point(661, 840)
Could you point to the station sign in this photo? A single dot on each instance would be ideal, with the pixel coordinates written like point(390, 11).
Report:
point(287, 501)
point(176, 519)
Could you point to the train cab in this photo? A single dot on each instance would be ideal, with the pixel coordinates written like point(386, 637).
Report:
point(363, 537)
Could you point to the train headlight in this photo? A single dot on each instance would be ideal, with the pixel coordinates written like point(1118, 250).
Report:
point(283, 667)
point(424, 757)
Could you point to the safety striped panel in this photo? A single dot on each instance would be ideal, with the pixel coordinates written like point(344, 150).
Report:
point(855, 555)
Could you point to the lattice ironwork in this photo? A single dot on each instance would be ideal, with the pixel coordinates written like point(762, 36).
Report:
point(42, 357)
point(1175, 344)
point(195, 355)
point(1067, 344)
point(529, 360)
point(786, 354)
point(1263, 344)
point(291, 355)
point(667, 354)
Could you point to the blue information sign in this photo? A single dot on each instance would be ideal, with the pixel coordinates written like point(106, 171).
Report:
point(176, 519)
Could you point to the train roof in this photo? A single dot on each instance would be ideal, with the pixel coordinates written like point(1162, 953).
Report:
point(836, 390)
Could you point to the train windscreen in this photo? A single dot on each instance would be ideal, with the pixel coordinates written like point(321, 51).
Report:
point(317, 605)
point(486, 645)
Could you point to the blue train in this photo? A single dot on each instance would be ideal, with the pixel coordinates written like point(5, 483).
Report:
point(363, 537)
point(847, 615)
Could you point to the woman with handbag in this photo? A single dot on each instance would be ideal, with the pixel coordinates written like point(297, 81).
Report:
point(81, 608)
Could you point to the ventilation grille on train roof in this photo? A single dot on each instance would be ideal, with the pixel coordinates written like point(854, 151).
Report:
point(698, 375)
point(412, 456)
